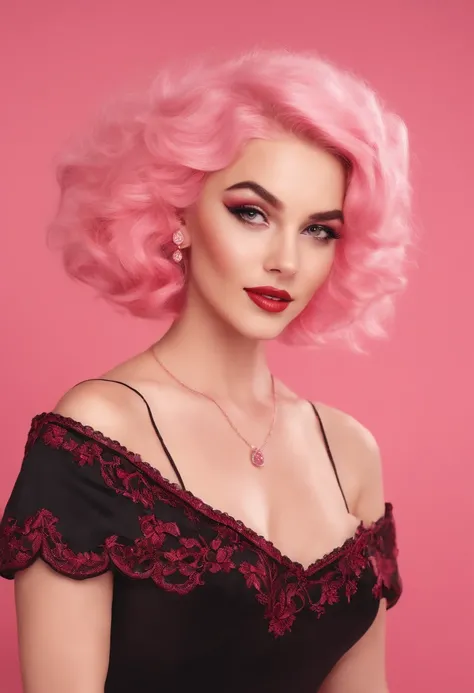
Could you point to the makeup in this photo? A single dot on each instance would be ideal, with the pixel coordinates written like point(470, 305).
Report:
point(269, 298)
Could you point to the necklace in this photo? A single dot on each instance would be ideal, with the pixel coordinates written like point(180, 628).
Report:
point(256, 453)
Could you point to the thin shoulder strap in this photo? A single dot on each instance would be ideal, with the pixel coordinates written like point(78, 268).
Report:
point(155, 427)
point(328, 450)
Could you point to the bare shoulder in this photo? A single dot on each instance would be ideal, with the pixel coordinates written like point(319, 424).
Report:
point(107, 407)
point(355, 451)
point(350, 431)
point(358, 457)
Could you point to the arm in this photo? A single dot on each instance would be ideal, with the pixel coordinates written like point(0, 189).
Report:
point(63, 630)
point(362, 668)
point(64, 623)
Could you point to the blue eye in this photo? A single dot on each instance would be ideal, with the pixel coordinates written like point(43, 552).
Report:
point(329, 232)
point(247, 213)
point(250, 215)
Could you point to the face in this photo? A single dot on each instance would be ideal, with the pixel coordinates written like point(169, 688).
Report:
point(263, 234)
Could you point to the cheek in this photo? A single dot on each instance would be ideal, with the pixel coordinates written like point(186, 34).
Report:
point(317, 268)
point(219, 245)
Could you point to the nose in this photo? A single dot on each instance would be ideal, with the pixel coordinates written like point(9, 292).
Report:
point(282, 255)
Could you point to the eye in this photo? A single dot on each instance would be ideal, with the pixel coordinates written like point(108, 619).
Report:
point(248, 214)
point(322, 233)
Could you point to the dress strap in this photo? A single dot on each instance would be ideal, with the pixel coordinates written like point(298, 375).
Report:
point(328, 450)
point(155, 427)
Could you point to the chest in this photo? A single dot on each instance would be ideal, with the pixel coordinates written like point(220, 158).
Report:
point(293, 500)
point(221, 592)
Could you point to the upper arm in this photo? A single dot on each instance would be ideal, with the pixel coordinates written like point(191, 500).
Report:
point(362, 668)
point(103, 406)
point(63, 630)
point(64, 623)
point(358, 460)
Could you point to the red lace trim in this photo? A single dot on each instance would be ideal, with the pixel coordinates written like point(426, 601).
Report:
point(178, 563)
point(138, 488)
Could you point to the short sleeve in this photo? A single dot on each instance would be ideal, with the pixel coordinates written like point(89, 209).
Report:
point(384, 557)
point(76, 502)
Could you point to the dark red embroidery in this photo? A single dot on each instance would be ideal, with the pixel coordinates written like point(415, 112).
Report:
point(383, 557)
point(180, 564)
point(132, 485)
point(174, 562)
point(33, 433)
point(38, 536)
point(285, 594)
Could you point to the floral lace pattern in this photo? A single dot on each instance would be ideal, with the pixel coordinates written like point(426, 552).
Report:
point(179, 563)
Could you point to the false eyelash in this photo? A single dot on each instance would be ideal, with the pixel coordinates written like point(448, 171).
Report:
point(239, 211)
point(329, 230)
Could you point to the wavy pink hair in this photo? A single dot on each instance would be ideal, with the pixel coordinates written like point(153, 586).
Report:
point(148, 157)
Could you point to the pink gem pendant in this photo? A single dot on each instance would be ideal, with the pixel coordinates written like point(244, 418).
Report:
point(256, 457)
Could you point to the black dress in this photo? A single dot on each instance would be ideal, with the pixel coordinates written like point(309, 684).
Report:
point(200, 600)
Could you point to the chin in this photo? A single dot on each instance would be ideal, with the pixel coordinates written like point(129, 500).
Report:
point(259, 331)
point(264, 327)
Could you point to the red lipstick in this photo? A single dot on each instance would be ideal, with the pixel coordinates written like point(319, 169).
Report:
point(268, 298)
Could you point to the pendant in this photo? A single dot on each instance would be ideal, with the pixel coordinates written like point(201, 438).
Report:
point(256, 457)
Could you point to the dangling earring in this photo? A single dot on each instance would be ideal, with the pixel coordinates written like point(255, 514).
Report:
point(178, 239)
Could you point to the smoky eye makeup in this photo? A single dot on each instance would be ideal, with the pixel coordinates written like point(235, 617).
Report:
point(254, 213)
point(253, 216)
point(247, 212)
point(331, 233)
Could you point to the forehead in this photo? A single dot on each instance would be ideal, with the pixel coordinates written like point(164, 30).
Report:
point(294, 170)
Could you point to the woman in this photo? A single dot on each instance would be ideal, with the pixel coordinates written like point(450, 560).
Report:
point(265, 198)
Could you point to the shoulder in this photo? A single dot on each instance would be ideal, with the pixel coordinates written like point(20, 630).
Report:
point(348, 437)
point(350, 431)
point(71, 495)
point(107, 407)
point(358, 458)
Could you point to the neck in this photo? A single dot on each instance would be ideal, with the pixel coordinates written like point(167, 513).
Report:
point(208, 355)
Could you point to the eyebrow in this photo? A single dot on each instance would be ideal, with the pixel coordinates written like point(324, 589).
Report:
point(278, 204)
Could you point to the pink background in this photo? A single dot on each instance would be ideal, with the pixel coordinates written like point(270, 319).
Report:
point(59, 60)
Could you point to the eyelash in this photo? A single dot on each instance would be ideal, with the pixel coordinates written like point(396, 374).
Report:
point(241, 210)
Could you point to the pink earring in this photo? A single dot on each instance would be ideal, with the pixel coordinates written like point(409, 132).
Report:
point(178, 239)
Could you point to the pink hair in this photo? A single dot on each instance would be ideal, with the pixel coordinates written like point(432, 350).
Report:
point(148, 158)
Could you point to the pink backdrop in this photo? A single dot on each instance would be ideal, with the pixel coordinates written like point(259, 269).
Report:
point(61, 58)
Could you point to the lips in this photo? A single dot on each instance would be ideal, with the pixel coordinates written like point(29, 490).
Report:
point(270, 292)
point(269, 298)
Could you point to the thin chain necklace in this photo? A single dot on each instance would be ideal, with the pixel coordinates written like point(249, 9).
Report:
point(256, 453)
